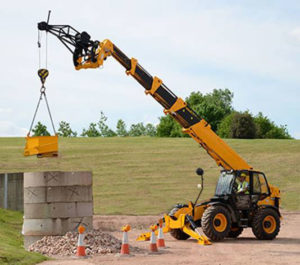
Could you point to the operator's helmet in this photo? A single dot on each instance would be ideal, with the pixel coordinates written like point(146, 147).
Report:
point(243, 175)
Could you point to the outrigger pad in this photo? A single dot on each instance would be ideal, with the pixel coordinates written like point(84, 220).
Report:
point(42, 146)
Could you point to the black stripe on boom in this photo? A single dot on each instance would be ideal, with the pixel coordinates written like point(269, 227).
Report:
point(165, 97)
point(121, 57)
point(143, 77)
point(186, 117)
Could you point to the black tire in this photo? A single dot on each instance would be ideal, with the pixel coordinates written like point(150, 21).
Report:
point(216, 222)
point(266, 224)
point(179, 234)
point(234, 232)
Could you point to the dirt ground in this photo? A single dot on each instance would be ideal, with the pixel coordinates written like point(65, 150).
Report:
point(285, 249)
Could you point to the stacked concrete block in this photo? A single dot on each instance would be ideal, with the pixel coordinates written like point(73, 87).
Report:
point(55, 203)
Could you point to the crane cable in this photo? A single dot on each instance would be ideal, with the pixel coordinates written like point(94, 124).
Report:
point(42, 73)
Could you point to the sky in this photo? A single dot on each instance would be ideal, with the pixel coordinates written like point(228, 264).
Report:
point(250, 47)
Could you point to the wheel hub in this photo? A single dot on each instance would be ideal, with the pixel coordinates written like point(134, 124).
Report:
point(269, 224)
point(217, 222)
point(220, 222)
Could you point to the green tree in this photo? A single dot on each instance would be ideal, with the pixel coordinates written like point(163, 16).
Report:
point(265, 128)
point(137, 129)
point(40, 130)
point(243, 126)
point(224, 128)
point(104, 130)
point(213, 107)
point(263, 125)
point(121, 128)
point(150, 130)
point(92, 131)
point(65, 130)
point(168, 127)
point(280, 132)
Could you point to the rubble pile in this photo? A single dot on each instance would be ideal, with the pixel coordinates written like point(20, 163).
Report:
point(96, 242)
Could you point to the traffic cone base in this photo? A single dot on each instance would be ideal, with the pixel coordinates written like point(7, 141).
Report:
point(161, 243)
point(80, 251)
point(153, 248)
point(125, 249)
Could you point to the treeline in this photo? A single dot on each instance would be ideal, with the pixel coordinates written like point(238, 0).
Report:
point(99, 129)
point(215, 107)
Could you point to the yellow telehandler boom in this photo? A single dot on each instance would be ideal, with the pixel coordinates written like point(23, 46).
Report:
point(92, 54)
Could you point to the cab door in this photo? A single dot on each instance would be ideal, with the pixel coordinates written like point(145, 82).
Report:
point(259, 187)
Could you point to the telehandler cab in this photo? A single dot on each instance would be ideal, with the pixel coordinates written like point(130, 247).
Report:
point(228, 212)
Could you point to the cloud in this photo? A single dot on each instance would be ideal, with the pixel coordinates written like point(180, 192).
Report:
point(295, 34)
point(8, 128)
point(5, 110)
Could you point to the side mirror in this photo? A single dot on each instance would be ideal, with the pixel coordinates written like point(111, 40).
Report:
point(200, 171)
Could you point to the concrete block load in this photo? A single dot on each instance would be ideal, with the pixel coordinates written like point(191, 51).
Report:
point(55, 203)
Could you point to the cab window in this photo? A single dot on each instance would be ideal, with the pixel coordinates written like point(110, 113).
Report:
point(259, 184)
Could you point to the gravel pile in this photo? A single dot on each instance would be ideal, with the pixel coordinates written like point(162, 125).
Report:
point(96, 242)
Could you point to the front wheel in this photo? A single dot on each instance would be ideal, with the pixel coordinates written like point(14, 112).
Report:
point(266, 224)
point(216, 222)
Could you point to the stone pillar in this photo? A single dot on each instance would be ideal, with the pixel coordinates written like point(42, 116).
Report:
point(55, 203)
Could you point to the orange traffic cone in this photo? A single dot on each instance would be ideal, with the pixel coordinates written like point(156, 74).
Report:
point(153, 246)
point(160, 238)
point(80, 245)
point(125, 244)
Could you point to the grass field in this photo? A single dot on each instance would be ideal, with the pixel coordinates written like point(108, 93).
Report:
point(141, 175)
point(11, 241)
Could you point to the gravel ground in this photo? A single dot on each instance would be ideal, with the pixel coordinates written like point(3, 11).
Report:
point(246, 250)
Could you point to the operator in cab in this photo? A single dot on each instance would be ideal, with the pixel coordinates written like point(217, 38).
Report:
point(243, 185)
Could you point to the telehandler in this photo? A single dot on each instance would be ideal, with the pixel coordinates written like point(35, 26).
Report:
point(229, 211)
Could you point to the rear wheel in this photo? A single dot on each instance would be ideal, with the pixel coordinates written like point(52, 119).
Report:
point(266, 224)
point(216, 222)
point(234, 232)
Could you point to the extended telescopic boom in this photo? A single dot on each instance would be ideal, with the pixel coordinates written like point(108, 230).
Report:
point(91, 54)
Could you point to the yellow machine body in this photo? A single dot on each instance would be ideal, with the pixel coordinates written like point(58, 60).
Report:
point(42, 146)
